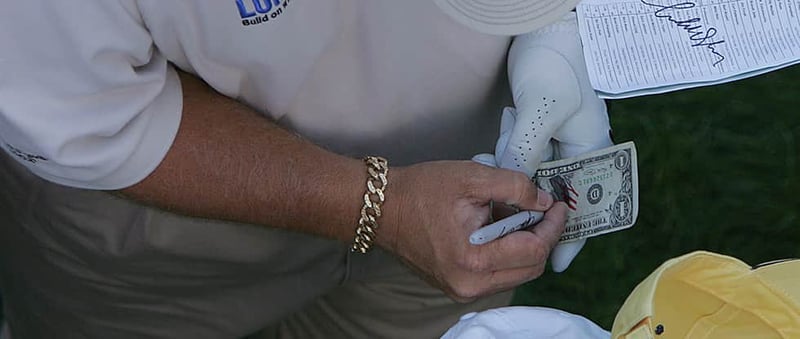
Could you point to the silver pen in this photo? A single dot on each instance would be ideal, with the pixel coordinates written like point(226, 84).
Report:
point(505, 226)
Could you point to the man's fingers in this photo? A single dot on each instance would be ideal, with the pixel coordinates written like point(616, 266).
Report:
point(552, 227)
point(494, 282)
point(501, 211)
point(526, 248)
point(517, 250)
point(512, 260)
point(516, 189)
point(508, 279)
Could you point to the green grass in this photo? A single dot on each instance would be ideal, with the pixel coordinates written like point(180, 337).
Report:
point(718, 170)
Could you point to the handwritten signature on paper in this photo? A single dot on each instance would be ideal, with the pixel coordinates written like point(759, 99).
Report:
point(699, 36)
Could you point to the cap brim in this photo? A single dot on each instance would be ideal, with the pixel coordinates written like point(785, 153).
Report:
point(715, 289)
point(506, 17)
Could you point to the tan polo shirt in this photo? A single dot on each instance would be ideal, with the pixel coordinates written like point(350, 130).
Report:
point(88, 96)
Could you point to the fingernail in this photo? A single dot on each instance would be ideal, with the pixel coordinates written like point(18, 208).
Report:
point(545, 199)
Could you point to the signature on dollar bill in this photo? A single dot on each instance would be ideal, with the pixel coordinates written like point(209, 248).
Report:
point(600, 188)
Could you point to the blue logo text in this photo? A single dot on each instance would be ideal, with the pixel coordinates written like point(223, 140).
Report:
point(258, 7)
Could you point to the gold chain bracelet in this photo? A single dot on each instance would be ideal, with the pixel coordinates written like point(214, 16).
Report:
point(377, 168)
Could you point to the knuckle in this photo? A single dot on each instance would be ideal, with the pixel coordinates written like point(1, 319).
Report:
point(475, 263)
point(476, 181)
point(465, 292)
point(537, 271)
point(464, 300)
point(521, 183)
point(520, 178)
point(485, 176)
point(541, 250)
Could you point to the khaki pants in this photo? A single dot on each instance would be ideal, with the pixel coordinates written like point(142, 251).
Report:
point(87, 264)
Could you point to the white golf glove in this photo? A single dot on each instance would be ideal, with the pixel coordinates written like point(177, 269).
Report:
point(554, 101)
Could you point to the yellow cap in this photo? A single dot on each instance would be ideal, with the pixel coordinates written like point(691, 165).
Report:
point(711, 296)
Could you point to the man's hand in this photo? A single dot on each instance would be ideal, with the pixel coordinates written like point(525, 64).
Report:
point(432, 208)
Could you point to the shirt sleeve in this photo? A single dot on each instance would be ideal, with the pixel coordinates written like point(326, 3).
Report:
point(86, 100)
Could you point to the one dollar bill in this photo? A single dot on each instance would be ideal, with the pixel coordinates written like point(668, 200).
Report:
point(601, 189)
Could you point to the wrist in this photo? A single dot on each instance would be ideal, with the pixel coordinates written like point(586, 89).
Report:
point(393, 209)
point(371, 213)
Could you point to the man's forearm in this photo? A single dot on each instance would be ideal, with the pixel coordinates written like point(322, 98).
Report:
point(227, 162)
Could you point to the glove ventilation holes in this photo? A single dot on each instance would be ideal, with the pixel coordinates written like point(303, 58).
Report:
point(542, 111)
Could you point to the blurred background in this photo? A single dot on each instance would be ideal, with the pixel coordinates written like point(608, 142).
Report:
point(719, 170)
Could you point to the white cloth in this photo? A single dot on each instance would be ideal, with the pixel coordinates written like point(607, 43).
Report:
point(525, 322)
point(88, 97)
